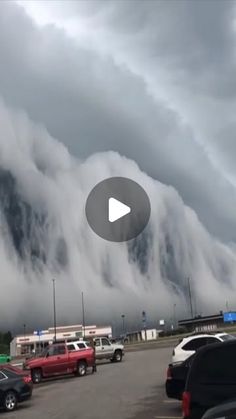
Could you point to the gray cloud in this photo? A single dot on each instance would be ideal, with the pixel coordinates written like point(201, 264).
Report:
point(92, 103)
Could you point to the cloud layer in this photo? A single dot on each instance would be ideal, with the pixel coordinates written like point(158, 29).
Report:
point(47, 193)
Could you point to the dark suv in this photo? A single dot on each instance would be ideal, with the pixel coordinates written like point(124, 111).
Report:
point(211, 379)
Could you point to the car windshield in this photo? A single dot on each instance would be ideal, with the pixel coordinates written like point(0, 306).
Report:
point(227, 337)
point(43, 353)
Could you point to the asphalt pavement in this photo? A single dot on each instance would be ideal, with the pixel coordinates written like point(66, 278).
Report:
point(132, 389)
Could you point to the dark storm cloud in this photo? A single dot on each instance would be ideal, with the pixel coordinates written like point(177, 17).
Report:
point(91, 103)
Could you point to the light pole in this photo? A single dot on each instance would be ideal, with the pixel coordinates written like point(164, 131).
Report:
point(24, 326)
point(123, 323)
point(190, 298)
point(227, 306)
point(83, 314)
point(54, 309)
point(174, 316)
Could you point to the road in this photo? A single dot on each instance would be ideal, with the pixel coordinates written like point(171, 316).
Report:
point(133, 389)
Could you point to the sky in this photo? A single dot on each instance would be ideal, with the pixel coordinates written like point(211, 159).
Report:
point(152, 81)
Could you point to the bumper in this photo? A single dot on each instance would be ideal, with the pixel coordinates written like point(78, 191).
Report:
point(26, 395)
point(174, 390)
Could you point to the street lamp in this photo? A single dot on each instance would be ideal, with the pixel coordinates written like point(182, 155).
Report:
point(123, 323)
point(24, 326)
point(54, 308)
point(174, 316)
point(83, 314)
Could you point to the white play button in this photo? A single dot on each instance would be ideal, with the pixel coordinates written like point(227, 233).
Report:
point(117, 210)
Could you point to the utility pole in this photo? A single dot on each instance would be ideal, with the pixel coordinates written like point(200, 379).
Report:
point(83, 314)
point(54, 309)
point(24, 326)
point(190, 298)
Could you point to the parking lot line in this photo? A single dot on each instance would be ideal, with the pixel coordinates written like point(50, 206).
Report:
point(170, 401)
point(168, 417)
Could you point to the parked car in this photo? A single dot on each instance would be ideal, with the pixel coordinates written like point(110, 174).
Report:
point(4, 358)
point(190, 344)
point(58, 360)
point(107, 350)
point(15, 387)
point(211, 379)
point(176, 378)
point(223, 411)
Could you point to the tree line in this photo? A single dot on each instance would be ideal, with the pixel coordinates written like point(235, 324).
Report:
point(5, 340)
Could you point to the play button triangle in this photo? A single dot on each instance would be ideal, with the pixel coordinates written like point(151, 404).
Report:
point(117, 210)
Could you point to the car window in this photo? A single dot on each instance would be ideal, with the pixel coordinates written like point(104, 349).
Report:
point(218, 365)
point(71, 347)
point(212, 339)
point(97, 342)
point(61, 350)
point(81, 345)
point(195, 344)
point(189, 361)
point(227, 337)
point(56, 350)
point(2, 376)
point(105, 342)
point(10, 373)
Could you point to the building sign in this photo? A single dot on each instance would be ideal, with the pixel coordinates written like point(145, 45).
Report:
point(206, 328)
point(230, 317)
point(38, 332)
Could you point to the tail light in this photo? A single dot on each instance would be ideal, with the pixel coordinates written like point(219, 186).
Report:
point(186, 399)
point(27, 379)
point(169, 375)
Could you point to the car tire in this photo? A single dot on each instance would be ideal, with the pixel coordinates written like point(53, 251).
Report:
point(36, 375)
point(81, 368)
point(117, 356)
point(10, 401)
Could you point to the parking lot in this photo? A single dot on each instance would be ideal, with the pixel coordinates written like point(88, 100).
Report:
point(133, 389)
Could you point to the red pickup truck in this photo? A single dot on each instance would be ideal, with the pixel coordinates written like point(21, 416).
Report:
point(57, 360)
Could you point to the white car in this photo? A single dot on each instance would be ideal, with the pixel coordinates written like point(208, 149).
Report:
point(190, 344)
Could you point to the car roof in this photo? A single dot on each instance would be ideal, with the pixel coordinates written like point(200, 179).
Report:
point(202, 335)
point(208, 333)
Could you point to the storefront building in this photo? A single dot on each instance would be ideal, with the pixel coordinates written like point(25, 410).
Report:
point(27, 344)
